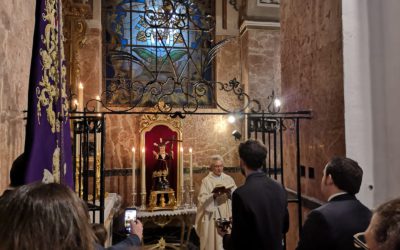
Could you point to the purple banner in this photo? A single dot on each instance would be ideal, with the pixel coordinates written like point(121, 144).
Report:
point(48, 141)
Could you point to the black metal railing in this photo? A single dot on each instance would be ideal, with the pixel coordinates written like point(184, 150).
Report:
point(270, 128)
point(88, 162)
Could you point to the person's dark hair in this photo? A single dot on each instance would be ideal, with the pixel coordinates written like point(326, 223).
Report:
point(387, 228)
point(346, 174)
point(17, 172)
point(44, 216)
point(253, 153)
point(100, 232)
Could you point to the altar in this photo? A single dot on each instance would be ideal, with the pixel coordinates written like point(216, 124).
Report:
point(162, 200)
point(184, 216)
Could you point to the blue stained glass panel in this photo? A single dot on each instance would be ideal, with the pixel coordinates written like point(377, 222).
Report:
point(155, 41)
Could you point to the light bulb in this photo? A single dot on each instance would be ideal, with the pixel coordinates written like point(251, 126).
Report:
point(231, 119)
point(277, 103)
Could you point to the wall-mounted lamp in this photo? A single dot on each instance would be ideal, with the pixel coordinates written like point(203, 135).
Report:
point(231, 119)
point(236, 134)
point(277, 103)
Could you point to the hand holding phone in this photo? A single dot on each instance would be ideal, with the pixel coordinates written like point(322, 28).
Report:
point(130, 215)
point(137, 229)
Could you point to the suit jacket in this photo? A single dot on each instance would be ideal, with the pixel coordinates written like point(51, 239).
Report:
point(259, 215)
point(333, 225)
point(132, 242)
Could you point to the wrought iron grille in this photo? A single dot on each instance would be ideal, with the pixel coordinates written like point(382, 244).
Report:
point(159, 50)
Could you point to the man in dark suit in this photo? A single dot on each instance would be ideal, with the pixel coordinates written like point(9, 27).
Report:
point(333, 225)
point(17, 174)
point(259, 207)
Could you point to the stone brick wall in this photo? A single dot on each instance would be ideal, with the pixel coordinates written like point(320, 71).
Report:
point(90, 63)
point(312, 79)
point(16, 34)
point(261, 63)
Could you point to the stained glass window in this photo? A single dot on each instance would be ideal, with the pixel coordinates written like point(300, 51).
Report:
point(157, 50)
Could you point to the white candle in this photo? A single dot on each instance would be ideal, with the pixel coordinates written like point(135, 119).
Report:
point(143, 171)
point(78, 145)
point(80, 97)
point(181, 161)
point(133, 171)
point(98, 143)
point(191, 167)
point(98, 103)
point(75, 104)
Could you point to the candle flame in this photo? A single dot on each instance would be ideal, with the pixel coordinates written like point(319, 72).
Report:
point(143, 150)
point(98, 98)
point(181, 149)
point(190, 150)
point(80, 85)
point(76, 102)
point(133, 149)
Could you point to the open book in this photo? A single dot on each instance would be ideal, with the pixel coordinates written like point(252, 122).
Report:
point(219, 188)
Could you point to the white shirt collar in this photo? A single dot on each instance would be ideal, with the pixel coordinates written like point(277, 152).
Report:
point(216, 176)
point(335, 195)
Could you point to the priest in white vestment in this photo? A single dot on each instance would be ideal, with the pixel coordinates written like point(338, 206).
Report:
point(212, 206)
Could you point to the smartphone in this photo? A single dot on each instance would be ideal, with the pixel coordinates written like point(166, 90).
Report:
point(130, 214)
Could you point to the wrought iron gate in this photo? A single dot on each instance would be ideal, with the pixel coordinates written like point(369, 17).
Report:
point(88, 164)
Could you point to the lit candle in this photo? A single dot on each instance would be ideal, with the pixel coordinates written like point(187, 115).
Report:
point(191, 167)
point(133, 171)
point(98, 103)
point(143, 171)
point(181, 161)
point(80, 97)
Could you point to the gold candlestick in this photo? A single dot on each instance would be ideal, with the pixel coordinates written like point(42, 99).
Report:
point(134, 194)
point(143, 203)
point(191, 192)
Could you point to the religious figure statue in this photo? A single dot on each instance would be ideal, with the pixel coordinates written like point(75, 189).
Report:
point(160, 173)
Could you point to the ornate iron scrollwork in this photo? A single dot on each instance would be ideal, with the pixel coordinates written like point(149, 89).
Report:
point(234, 4)
point(191, 90)
point(137, 90)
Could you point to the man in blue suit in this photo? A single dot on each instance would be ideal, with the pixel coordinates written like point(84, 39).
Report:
point(332, 226)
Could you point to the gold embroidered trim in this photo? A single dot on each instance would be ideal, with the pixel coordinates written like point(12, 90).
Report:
point(48, 92)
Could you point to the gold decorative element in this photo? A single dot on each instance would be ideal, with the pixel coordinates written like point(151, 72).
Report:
point(74, 15)
point(98, 176)
point(147, 122)
point(72, 8)
point(47, 177)
point(78, 181)
point(161, 173)
point(158, 200)
point(143, 201)
point(159, 119)
point(161, 243)
point(54, 176)
point(48, 91)
point(75, 37)
point(56, 164)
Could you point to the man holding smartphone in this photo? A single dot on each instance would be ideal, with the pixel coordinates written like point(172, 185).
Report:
point(133, 240)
